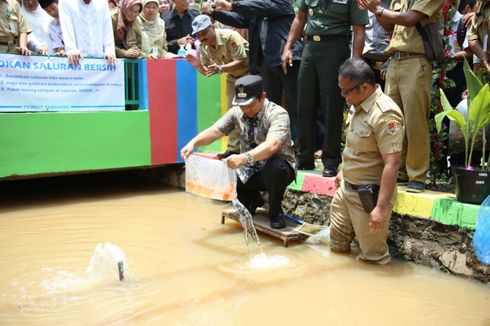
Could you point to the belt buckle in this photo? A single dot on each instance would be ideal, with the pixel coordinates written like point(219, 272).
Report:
point(397, 55)
point(316, 38)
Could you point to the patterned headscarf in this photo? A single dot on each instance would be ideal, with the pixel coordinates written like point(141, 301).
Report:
point(122, 25)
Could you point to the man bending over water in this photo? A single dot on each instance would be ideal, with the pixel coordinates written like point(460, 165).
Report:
point(266, 159)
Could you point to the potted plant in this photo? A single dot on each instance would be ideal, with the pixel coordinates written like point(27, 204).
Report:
point(472, 183)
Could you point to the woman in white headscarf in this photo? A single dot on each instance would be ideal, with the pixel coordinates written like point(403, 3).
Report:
point(38, 41)
point(147, 33)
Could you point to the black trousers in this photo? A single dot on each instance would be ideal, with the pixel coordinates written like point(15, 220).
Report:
point(276, 82)
point(274, 178)
point(318, 87)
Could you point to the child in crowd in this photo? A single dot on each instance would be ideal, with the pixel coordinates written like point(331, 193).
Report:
point(51, 7)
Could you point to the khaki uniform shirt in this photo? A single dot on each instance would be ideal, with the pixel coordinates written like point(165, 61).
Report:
point(230, 46)
point(374, 128)
point(408, 39)
point(12, 24)
point(145, 34)
point(480, 25)
point(332, 17)
point(273, 121)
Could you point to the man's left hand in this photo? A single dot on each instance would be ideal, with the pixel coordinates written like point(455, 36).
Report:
point(223, 5)
point(212, 70)
point(236, 160)
point(111, 59)
point(377, 219)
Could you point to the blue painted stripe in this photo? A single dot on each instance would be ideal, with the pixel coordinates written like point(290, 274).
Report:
point(143, 85)
point(186, 78)
point(11, 106)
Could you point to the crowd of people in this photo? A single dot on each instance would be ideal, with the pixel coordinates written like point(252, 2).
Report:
point(311, 56)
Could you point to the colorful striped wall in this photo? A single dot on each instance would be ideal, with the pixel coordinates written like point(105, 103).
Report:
point(437, 206)
point(182, 102)
point(176, 102)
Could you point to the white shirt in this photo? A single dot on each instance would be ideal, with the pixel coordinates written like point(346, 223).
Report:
point(56, 34)
point(87, 27)
point(39, 20)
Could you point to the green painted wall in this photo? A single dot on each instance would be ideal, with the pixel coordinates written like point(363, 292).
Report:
point(34, 143)
point(208, 97)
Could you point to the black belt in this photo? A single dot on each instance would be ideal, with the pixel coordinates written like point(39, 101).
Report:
point(351, 186)
point(398, 55)
point(320, 38)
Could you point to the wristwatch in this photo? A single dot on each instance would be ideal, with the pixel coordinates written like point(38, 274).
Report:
point(379, 11)
point(250, 158)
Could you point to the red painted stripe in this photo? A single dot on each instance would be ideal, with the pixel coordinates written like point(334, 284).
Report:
point(317, 184)
point(162, 93)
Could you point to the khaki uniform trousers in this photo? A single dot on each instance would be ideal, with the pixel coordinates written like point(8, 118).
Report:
point(348, 219)
point(234, 136)
point(408, 83)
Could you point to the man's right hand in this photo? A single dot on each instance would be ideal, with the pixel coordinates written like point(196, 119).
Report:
point(192, 58)
point(338, 178)
point(23, 50)
point(187, 150)
point(184, 40)
point(74, 57)
point(286, 60)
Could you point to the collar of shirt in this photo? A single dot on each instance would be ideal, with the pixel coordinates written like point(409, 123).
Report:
point(369, 102)
point(259, 115)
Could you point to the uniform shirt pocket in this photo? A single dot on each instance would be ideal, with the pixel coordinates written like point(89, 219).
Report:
point(363, 140)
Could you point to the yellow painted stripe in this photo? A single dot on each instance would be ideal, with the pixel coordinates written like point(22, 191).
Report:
point(224, 106)
point(419, 205)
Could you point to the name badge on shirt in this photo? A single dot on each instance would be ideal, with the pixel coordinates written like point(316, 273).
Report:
point(342, 2)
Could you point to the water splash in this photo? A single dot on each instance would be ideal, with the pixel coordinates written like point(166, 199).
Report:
point(105, 262)
point(246, 221)
point(262, 261)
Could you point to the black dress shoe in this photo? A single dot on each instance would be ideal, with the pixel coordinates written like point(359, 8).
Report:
point(301, 166)
point(225, 154)
point(278, 222)
point(329, 171)
point(252, 208)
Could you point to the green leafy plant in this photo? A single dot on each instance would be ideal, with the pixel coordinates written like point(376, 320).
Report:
point(478, 116)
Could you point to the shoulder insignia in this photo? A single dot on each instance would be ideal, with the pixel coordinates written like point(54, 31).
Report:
point(391, 125)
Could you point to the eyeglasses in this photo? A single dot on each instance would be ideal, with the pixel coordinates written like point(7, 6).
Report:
point(346, 91)
point(134, 11)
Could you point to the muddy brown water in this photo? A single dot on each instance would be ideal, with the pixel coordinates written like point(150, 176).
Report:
point(185, 268)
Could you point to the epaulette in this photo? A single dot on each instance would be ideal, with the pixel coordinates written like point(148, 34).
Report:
point(385, 105)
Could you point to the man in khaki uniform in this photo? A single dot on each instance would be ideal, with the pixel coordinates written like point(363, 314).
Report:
point(409, 79)
point(222, 50)
point(372, 156)
point(13, 28)
point(478, 33)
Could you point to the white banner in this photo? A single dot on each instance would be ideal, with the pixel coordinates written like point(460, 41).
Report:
point(40, 83)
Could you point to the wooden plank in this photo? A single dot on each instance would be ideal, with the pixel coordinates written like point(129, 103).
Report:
point(262, 224)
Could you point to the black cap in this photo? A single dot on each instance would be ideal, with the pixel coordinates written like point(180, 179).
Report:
point(247, 89)
point(45, 3)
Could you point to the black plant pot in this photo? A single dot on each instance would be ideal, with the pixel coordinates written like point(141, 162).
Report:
point(472, 186)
